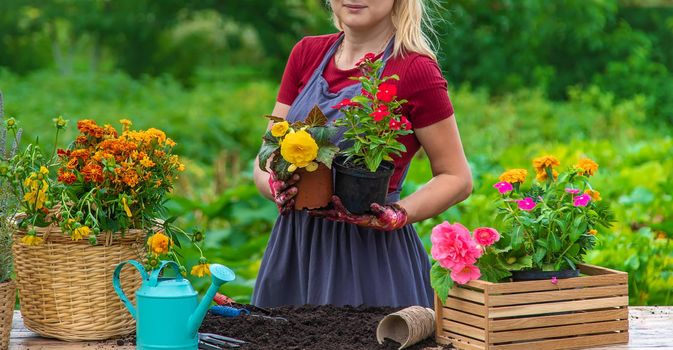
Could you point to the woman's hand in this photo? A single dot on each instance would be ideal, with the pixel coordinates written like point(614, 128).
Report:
point(283, 192)
point(383, 217)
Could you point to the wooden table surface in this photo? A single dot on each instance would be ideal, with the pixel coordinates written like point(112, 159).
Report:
point(649, 328)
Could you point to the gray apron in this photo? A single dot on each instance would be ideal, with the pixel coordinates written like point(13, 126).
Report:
point(311, 260)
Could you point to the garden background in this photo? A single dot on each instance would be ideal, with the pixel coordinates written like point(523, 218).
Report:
point(527, 77)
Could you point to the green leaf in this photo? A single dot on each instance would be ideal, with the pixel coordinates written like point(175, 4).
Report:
point(573, 251)
point(440, 280)
point(316, 117)
point(360, 99)
point(539, 255)
point(265, 153)
point(326, 155)
point(275, 119)
point(491, 269)
point(517, 237)
point(521, 263)
point(323, 135)
point(554, 243)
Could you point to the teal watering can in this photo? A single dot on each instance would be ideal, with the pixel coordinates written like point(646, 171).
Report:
point(168, 314)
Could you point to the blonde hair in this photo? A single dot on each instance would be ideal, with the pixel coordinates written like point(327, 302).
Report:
point(410, 18)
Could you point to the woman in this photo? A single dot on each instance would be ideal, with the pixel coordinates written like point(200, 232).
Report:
point(336, 257)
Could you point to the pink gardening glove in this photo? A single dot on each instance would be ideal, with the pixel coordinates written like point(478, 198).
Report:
point(383, 217)
point(283, 192)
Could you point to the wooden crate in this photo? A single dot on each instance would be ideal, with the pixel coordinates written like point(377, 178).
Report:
point(589, 310)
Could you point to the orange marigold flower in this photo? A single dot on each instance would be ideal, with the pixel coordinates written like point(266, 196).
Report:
point(66, 177)
point(130, 178)
point(157, 134)
point(170, 142)
point(542, 176)
point(81, 140)
point(586, 166)
point(110, 131)
point(514, 175)
point(545, 161)
point(126, 124)
point(72, 163)
point(89, 127)
point(159, 243)
point(93, 173)
point(595, 195)
point(80, 153)
point(592, 232)
point(159, 153)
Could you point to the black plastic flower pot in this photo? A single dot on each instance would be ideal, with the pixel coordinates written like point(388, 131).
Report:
point(358, 187)
point(535, 275)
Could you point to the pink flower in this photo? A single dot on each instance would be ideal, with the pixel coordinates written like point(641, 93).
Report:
point(554, 280)
point(346, 102)
point(465, 273)
point(380, 113)
point(581, 200)
point(453, 246)
point(572, 190)
point(406, 124)
point(526, 204)
point(486, 236)
point(394, 124)
point(386, 92)
point(503, 187)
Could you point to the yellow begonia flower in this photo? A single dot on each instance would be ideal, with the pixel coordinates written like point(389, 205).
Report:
point(81, 232)
point(312, 166)
point(159, 243)
point(514, 175)
point(587, 166)
point(201, 270)
point(31, 240)
point(299, 148)
point(291, 168)
point(280, 129)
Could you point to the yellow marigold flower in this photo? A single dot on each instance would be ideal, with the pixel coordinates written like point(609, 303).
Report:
point(595, 195)
point(44, 170)
point(592, 232)
point(126, 124)
point(126, 207)
point(31, 240)
point(146, 162)
point(81, 232)
point(280, 129)
point(514, 175)
point(159, 243)
point(299, 148)
point(36, 198)
point(587, 166)
point(181, 167)
point(542, 176)
point(545, 161)
point(201, 270)
point(661, 235)
point(170, 142)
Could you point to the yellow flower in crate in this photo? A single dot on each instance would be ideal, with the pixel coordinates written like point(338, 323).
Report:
point(31, 240)
point(299, 149)
point(514, 175)
point(80, 232)
point(587, 167)
point(159, 243)
point(280, 129)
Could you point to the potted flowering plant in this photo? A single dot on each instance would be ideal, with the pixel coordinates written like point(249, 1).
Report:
point(373, 123)
point(304, 147)
point(94, 204)
point(548, 229)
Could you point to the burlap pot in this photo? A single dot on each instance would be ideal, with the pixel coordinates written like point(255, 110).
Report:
point(7, 300)
point(65, 286)
point(407, 326)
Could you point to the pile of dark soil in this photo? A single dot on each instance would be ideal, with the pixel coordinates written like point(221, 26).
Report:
point(309, 327)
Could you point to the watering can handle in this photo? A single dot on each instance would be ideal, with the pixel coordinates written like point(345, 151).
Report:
point(154, 276)
point(118, 287)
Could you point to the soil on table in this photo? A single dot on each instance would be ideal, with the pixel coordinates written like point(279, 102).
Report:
point(309, 327)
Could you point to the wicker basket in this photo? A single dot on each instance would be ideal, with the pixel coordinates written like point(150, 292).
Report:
point(7, 300)
point(65, 286)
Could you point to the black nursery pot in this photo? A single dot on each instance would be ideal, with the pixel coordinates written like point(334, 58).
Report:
point(534, 275)
point(358, 187)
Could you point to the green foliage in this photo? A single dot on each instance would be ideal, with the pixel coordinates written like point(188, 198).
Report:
point(441, 281)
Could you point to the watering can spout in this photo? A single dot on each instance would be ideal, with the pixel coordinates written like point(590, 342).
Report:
point(221, 275)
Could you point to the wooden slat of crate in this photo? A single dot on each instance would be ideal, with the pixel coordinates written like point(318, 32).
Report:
point(558, 320)
point(563, 306)
point(557, 331)
point(578, 282)
point(459, 340)
point(567, 343)
point(558, 295)
point(463, 329)
point(464, 293)
point(462, 317)
point(465, 306)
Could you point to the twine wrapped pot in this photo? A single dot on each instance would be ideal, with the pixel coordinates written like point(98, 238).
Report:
point(65, 286)
point(7, 300)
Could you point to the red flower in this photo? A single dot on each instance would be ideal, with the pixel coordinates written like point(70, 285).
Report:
point(65, 153)
point(66, 177)
point(386, 92)
point(368, 57)
point(346, 102)
point(380, 113)
point(406, 124)
point(394, 124)
point(365, 93)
